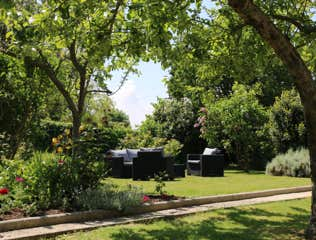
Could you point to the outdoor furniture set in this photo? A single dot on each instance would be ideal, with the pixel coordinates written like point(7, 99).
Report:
point(140, 163)
point(145, 163)
point(210, 163)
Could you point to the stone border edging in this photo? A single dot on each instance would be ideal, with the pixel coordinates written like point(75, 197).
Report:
point(83, 216)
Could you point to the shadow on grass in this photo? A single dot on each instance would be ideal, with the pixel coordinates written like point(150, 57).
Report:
point(251, 172)
point(235, 224)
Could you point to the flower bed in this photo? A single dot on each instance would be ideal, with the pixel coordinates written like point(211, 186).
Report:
point(160, 198)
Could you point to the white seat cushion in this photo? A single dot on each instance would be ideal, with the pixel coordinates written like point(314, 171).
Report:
point(132, 153)
point(209, 151)
point(120, 153)
point(194, 161)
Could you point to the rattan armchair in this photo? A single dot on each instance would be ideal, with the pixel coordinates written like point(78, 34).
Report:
point(206, 165)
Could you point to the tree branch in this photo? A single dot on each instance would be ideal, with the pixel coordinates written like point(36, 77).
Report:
point(124, 79)
point(8, 53)
point(115, 12)
point(305, 28)
point(253, 16)
point(73, 58)
point(108, 92)
point(45, 65)
point(82, 75)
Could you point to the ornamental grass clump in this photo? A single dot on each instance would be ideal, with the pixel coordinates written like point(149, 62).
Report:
point(294, 163)
point(109, 196)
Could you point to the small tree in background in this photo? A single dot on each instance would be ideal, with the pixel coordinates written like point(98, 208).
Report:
point(286, 122)
point(175, 118)
point(235, 123)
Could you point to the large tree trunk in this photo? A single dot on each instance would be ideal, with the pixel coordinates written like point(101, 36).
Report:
point(310, 116)
point(252, 15)
point(76, 110)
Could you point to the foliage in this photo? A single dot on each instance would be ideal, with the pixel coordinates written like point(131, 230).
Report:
point(94, 142)
point(138, 139)
point(170, 125)
point(173, 148)
point(16, 198)
point(104, 125)
point(213, 54)
point(78, 45)
point(235, 123)
point(43, 134)
point(160, 184)
point(293, 163)
point(49, 180)
point(109, 196)
point(90, 153)
point(146, 135)
point(176, 117)
point(54, 106)
point(20, 101)
point(101, 113)
point(286, 122)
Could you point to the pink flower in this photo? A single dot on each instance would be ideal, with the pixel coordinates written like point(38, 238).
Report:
point(4, 191)
point(19, 179)
point(61, 162)
point(196, 125)
point(203, 109)
point(146, 198)
point(202, 119)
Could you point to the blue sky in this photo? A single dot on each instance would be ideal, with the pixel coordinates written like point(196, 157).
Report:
point(139, 92)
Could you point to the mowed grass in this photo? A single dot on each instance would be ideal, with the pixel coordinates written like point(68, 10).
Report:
point(233, 182)
point(273, 221)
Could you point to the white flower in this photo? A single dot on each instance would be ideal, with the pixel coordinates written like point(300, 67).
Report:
point(31, 20)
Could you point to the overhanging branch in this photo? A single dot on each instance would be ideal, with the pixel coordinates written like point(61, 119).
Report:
point(46, 66)
point(305, 28)
point(254, 16)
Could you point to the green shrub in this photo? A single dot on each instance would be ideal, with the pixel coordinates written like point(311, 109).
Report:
point(102, 138)
point(292, 163)
point(173, 147)
point(95, 142)
point(236, 123)
point(110, 197)
point(286, 122)
point(160, 184)
point(10, 178)
point(42, 136)
point(51, 180)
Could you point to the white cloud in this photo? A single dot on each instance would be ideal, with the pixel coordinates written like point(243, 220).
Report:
point(130, 100)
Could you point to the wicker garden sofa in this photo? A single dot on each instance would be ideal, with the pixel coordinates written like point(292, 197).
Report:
point(139, 163)
point(210, 163)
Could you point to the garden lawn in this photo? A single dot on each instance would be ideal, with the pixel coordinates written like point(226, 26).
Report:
point(275, 221)
point(233, 182)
